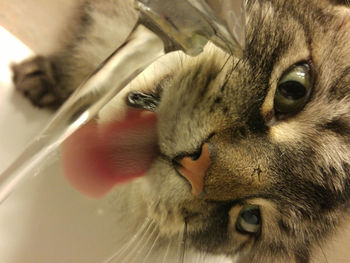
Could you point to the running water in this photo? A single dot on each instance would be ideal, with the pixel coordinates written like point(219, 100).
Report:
point(141, 49)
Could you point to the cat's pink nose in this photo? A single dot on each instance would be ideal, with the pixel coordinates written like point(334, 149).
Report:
point(195, 170)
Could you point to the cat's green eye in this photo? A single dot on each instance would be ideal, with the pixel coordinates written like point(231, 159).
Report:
point(293, 89)
point(249, 220)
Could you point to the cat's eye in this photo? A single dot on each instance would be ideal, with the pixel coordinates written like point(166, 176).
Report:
point(249, 220)
point(293, 89)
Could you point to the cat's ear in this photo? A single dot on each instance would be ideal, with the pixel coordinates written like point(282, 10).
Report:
point(99, 156)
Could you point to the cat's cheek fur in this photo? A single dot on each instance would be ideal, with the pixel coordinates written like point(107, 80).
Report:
point(344, 14)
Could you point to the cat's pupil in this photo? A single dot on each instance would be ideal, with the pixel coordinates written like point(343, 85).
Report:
point(249, 220)
point(292, 90)
point(251, 216)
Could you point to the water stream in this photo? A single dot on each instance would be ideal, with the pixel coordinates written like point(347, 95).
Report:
point(140, 50)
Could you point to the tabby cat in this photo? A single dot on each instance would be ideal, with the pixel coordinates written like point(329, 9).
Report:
point(252, 158)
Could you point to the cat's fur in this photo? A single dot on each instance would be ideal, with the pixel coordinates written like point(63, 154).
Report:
point(296, 169)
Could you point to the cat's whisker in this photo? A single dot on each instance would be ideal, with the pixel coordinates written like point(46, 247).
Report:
point(136, 239)
point(200, 258)
point(151, 248)
point(144, 245)
point(180, 246)
point(133, 240)
point(167, 250)
point(197, 259)
point(135, 251)
point(323, 253)
point(221, 260)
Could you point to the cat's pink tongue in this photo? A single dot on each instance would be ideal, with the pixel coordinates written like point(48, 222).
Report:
point(97, 157)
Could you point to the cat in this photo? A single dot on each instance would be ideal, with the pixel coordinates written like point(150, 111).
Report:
point(254, 152)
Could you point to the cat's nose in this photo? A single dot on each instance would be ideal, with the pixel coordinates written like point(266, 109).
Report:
point(194, 168)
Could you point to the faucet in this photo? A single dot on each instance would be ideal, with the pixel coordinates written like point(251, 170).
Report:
point(188, 25)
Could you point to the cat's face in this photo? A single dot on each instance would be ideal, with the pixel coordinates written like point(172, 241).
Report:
point(276, 128)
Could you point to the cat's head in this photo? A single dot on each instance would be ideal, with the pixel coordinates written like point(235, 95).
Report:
point(254, 153)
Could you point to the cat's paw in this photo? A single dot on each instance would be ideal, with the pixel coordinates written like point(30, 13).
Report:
point(35, 79)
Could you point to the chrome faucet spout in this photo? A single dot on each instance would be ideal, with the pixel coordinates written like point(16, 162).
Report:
point(189, 24)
